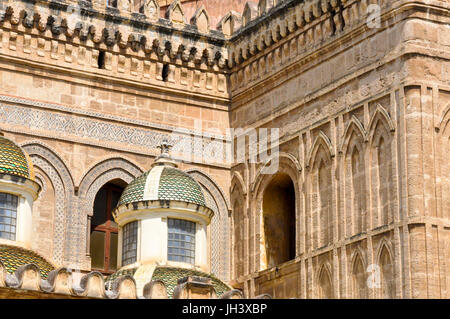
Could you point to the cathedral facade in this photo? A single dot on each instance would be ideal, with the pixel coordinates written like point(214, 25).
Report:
point(354, 96)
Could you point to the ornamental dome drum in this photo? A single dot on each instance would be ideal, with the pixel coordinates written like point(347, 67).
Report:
point(163, 222)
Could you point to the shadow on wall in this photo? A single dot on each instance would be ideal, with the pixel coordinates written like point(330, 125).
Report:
point(279, 220)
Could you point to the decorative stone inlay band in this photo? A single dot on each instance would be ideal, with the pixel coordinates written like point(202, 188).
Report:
point(88, 128)
point(103, 116)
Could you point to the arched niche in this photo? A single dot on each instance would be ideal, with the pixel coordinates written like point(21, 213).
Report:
point(279, 219)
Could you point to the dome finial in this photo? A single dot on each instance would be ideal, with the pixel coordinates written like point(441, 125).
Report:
point(165, 147)
point(164, 158)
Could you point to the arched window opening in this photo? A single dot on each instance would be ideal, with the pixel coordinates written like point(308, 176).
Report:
point(165, 72)
point(8, 216)
point(101, 60)
point(279, 220)
point(359, 280)
point(387, 275)
point(104, 231)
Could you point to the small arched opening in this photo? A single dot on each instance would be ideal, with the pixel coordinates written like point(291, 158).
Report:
point(104, 230)
point(279, 220)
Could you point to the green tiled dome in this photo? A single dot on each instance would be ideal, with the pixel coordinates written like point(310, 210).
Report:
point(13, 160)
point(170, 276)
point(13, 257)
point(163, 183)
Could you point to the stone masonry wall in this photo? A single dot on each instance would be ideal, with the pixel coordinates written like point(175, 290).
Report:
point(368, 107)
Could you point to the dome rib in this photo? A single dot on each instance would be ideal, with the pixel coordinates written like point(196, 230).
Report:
point(172, 184)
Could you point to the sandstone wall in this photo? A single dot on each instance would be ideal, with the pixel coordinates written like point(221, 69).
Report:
point(86, 121)
point(361, 114)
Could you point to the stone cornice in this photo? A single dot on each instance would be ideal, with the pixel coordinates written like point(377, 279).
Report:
point(133, 210)
point(111, 26)
point(20, 185)
point(323, 19)
point(306, 45)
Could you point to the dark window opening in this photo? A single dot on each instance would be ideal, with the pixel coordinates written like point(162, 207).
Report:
point(279, 220)
point(112, 3)
point(165, 72)
point(104, 231)
point(101, 60)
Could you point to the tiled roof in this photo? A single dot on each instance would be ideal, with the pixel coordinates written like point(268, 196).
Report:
point(172, 184)
point(13, 160)
point(134, 192)
point(177, 185)
point(14, 257)
point(170, 275)
point(121, 272)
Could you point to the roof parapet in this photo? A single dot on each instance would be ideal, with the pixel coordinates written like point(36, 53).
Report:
point(201, 20)
point(230, 23)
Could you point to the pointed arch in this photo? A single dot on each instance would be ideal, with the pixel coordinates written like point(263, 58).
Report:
point(380, 116)
point(325, 283)
point(386, 265)
point(238, 181)
point(102, 172)
point(320, 166)
point(354, 126)
point(321, 141)
point(353, 160)
point(288, 169)
point(383, 183)
point(445, 119)
point(359, 278)
point(286, 160)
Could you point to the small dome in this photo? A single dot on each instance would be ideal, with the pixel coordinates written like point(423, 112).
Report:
point(170, 276)
point(163, 183)
point(13, 257)
point(14, 160)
